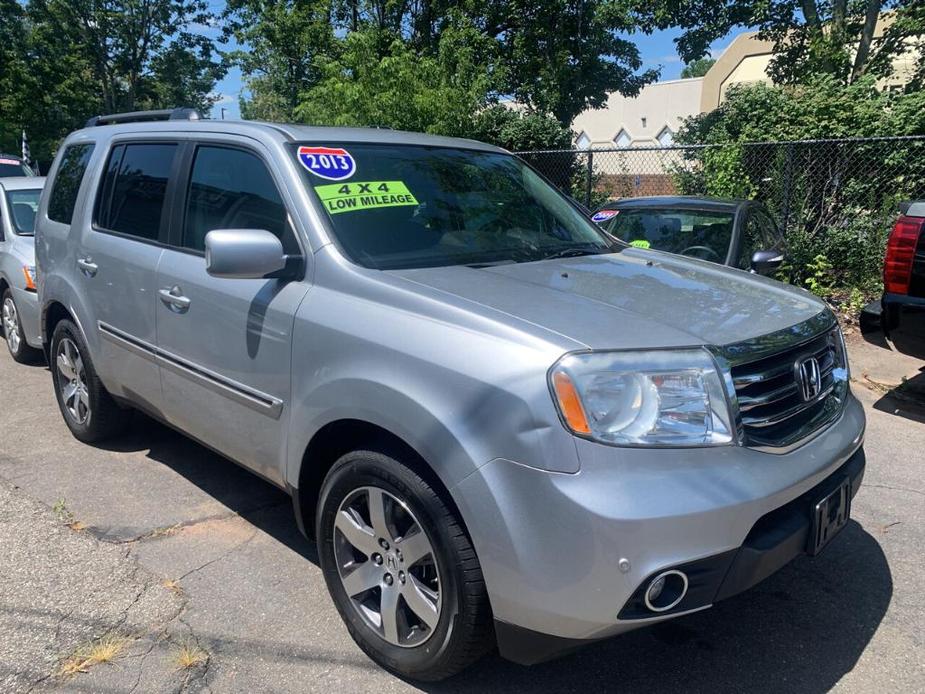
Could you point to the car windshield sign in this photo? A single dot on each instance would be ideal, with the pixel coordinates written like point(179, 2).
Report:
point(23, 205)
point(404, 206)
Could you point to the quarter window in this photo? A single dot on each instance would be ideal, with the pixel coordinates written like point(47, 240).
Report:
point(64, 190)
point(761, 234)
point(232, 189)
point(132, 196)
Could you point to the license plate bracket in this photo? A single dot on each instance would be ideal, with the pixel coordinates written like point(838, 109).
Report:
point(829, 515)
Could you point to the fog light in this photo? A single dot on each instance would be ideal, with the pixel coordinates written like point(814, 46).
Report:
point(666, 590)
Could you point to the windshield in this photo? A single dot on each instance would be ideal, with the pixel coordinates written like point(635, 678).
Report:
point(13, 167)
point(23, 205)
point(697, 233)
point(403, 206)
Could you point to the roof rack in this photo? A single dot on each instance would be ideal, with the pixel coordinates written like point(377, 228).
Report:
point(142, 116)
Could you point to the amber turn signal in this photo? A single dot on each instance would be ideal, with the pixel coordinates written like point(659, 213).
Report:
point(570, 403)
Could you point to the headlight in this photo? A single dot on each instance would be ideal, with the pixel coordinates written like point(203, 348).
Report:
point(656, 398)
point(28, 272)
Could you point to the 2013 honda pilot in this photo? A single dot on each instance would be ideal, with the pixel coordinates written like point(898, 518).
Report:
point(500, 425)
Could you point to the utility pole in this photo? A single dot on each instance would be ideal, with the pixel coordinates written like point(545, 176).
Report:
point(223, 112)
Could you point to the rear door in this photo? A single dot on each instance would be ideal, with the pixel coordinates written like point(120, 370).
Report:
point(225, 344)
point(117, 261)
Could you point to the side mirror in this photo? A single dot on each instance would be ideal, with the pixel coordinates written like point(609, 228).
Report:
point(766, 262)
point(243, 253)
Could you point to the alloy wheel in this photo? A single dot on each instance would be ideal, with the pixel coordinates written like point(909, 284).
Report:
point(11, 325)
point(387, 566)
point(72, 381)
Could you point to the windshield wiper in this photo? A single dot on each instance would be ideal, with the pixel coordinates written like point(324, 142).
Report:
point(575, 252)
point(491, 263)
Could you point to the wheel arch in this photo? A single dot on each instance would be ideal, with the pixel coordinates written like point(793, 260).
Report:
point(341, 436)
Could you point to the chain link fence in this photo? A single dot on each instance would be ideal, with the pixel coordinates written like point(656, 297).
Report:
point(834, 198)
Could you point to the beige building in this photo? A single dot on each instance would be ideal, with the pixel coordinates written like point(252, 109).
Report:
point(648, 120)
point(653, 117)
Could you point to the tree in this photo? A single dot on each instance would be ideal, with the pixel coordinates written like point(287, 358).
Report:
point(556, 57)
point(697, 68)
point(402, 89)
point(132, 46)
point(834, 37)
point(565, 56)
point(282, 43)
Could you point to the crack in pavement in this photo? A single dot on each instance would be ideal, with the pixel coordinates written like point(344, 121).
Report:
point(895, 489)
point(168, 530)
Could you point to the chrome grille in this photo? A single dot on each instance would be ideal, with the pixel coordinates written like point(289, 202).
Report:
point(773, 408)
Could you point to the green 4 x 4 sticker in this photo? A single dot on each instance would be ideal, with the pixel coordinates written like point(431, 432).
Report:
point(364, 195)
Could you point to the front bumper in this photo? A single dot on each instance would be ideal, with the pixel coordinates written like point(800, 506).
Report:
point(564, 555)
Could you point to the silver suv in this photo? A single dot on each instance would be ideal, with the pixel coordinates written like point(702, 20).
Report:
point(500, 425)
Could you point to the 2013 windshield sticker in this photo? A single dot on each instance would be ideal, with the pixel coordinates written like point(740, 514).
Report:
point(332, 163)
point(367, 195)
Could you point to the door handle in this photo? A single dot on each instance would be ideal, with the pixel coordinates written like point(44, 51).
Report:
point(173, 296)
point(87, 266)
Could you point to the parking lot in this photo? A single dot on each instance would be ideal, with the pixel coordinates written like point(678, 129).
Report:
point(168, 549)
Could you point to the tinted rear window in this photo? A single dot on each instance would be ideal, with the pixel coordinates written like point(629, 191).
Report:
point(134, 186)
point(67, 181)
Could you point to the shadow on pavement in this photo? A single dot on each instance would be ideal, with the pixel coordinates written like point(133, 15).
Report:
point(261, 503)
point(908, 398)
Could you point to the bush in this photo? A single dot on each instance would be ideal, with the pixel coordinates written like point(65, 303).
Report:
point(838, 198)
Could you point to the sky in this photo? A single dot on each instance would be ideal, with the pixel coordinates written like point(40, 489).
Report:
point(656, 49)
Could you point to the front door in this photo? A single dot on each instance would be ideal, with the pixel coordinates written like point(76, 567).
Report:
point(225, 344)
point(117, 262)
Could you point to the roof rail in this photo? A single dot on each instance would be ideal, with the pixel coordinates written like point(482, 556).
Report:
point(142, 116)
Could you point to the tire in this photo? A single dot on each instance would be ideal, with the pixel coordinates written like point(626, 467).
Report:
point(461, 626)
point(13, 332)
point(89, 412)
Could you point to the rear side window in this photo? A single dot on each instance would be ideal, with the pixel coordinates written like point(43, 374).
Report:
point(67, 181)
point(232, 189)
point(132, 196)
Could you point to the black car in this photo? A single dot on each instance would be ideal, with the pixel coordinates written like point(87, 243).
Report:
point(738, 233)
point(11, 165)
point(904, 267)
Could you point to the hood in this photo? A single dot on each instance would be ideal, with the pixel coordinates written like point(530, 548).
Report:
point(630, 299)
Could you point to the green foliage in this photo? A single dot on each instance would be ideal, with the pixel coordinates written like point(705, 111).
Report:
point(842, 196)
point(565, 56)
point(281, 43)
point(400, 89)
point(66, 60)
point(697, 68)
point(519, 131)
point(810, 37)
point(724, 174)
point(554, 57)
point(821, 278)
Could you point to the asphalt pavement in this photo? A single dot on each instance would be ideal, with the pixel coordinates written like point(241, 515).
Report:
point(153, 565)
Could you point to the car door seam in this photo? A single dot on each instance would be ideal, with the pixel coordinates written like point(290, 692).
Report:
point(255, 399)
